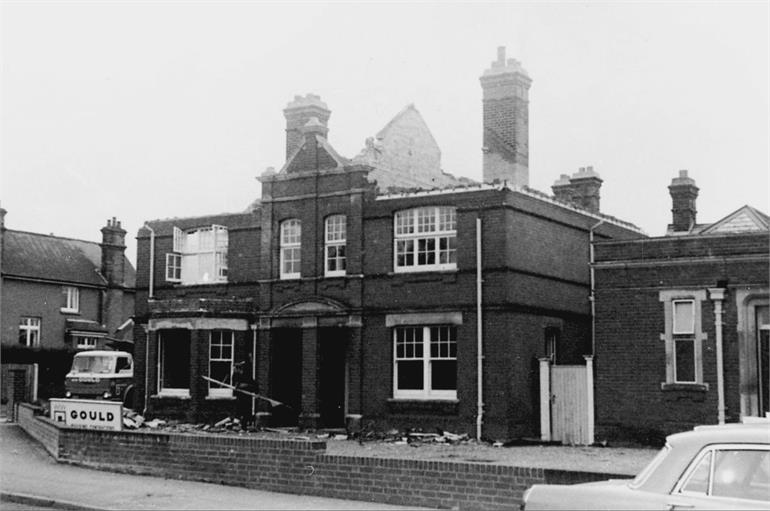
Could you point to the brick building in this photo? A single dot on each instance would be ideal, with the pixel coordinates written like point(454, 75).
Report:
point(356, 302)
point(59, 296)
point(667, 308)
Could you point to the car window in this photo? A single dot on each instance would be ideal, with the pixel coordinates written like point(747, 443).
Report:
point(698, 481)
point(650, 468)
point(730, 471)
point(742, 474)
point(123, 363)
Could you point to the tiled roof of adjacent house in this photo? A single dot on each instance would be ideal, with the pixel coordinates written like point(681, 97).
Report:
point(53, 258)
point(742, 220)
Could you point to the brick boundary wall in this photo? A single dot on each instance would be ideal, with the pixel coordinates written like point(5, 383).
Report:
point(294, 466)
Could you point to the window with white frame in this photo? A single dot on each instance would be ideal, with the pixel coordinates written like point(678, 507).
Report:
point(683, 336)
point(29, 331)
point(71, 296)
point(425, 362)
point(336, 233)
point(174, 363)
point(291, 248)
point(199, 256)
point(173, 267)
point(683, 329)
point(221, 343)
point(85, 343)
point(425, 239)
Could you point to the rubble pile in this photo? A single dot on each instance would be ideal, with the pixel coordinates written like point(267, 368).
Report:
point(231, 425)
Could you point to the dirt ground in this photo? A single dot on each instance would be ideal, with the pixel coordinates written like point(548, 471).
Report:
point(610, 460)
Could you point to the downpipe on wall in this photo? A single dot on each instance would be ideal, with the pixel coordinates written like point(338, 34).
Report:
point(150, 293)
point(479, 331)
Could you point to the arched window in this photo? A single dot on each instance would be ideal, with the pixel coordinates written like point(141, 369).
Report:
point(425, 239)
point(334, 248)
point(291, 247)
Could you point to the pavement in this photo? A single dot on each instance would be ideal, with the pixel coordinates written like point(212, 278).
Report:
point(31, 478)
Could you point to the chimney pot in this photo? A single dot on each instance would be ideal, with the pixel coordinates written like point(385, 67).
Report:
point(501, 54)
point(683, 193)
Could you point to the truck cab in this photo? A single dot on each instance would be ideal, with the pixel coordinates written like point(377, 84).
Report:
point(100, 375)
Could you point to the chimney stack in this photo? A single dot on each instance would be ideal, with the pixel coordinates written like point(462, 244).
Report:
point(297, 113)
point(562, 189)
point(113, 250)
point(505, 88)
point(586, 185)
point(683, 194)
point(581, 190)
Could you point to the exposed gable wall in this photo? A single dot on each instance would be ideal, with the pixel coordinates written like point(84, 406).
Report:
point(404, 154)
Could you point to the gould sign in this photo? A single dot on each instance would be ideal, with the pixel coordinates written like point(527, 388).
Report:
point(81, 413)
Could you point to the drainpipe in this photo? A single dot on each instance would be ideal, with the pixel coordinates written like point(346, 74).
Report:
point(150, 293)
point(479, 344)
point(152, 260)
point(146, 370)
point(592, 296)
point(254, 367)
point(717, 296)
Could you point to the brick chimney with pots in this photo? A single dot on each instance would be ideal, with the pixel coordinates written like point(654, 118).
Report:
point(683, 195)
point(114, 271)
point(562, 189)
point(580, 190)
point(585, 189)
point(505, 88)
point(113, 253)
point(298, 112)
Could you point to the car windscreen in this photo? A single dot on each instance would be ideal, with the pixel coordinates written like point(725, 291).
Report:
point(93, 364)
point(650, 468)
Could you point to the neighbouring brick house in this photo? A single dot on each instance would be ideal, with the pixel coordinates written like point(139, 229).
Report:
point(59, 296)
point(665, 305)
point(350, 302)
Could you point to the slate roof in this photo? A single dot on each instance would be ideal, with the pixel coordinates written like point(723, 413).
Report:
point(66, 260)
point(742, 220)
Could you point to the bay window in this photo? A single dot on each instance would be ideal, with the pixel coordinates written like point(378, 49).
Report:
point(174, 362)
point(221, 344)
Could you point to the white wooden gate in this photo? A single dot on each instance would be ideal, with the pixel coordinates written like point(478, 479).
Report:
point(566, 403)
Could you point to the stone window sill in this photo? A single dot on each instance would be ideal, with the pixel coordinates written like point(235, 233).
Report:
point(421, 406)
point(687, 387)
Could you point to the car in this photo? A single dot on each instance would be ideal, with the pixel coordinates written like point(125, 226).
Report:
point(710, 467)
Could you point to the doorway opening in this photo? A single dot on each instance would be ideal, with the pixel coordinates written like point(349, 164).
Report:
point(286, 375)
point(332, 376)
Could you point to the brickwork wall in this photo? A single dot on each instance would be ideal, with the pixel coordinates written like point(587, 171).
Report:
point(299, 467)
point(630, 362)
point(535, 274)
point(44, 301)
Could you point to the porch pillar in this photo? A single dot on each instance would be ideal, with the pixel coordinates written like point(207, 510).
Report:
point(717, 296)
point(309, 416)
point(545, 399)
point(590, 397)
point(198, 385)
point(354, 384)
point(264, 337)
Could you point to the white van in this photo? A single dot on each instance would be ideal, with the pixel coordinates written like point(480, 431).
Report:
point(100, 375)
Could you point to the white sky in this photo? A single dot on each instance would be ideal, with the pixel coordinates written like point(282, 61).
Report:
point(145, 110)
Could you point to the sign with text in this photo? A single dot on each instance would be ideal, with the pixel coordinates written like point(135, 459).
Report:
point(89, 414)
